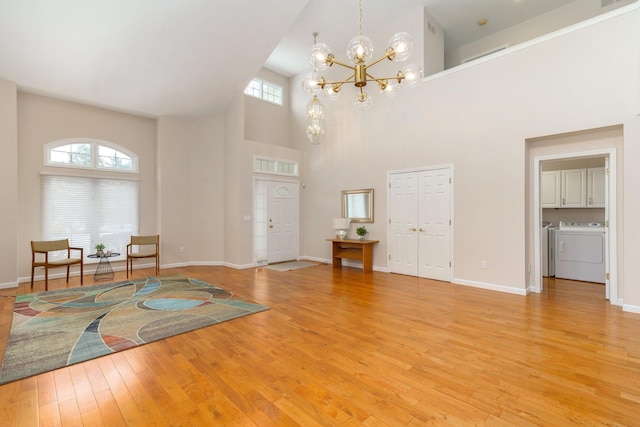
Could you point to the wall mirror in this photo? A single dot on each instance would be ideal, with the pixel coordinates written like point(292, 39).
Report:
point(358, 205)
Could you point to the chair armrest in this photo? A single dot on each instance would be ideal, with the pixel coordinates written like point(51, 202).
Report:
point(129, 247)
point(77, 249)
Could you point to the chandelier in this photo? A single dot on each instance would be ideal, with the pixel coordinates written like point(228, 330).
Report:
point(360, 52)
point(315, 120)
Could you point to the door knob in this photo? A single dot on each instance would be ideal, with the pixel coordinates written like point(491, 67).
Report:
point(412, 229)
point(270, 225)
point(421, 229)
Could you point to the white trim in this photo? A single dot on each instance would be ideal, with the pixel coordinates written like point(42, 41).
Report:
point(611, 208)
point(84, 174)
point(239, 266)
point(10, 285)
point(490, 286)
point(485, 53)
point(631, 308)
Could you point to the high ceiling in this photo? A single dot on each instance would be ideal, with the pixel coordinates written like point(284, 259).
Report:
point(191, 57)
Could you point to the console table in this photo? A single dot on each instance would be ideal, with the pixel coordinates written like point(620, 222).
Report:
point(361, 250)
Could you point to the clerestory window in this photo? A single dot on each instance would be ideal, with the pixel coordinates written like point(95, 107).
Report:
point(265, 90)
point(89, 154)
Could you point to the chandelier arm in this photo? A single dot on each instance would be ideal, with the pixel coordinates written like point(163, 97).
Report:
point(382, 58)
point(349, 80)
point(379, 79)
point(333, 61)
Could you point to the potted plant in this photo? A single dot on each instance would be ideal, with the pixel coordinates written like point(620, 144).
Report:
point(361, 232)
point(99, 249)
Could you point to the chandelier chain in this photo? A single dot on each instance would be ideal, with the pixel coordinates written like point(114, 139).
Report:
point(359, 17)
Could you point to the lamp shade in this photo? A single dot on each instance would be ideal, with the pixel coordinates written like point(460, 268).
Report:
point(341, 223)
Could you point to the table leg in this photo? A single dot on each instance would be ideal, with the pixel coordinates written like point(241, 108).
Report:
point(104, 271)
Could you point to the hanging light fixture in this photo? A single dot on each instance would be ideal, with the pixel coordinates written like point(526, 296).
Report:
point(315, 110)
point(315, 120)
point(360, 52)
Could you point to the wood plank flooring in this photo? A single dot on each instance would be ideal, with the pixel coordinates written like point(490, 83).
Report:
point(339, 347)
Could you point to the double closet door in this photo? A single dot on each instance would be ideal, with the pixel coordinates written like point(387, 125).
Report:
point(420, 223)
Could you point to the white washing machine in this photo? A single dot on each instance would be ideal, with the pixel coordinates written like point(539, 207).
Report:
point(580, 251)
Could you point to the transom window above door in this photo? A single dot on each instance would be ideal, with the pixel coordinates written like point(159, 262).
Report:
point(89, 154)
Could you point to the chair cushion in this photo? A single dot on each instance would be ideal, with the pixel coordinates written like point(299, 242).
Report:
point(141, 254)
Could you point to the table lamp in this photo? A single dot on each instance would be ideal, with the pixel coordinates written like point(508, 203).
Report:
point(341, 225)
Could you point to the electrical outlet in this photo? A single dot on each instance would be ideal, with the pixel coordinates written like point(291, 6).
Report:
point(483, 264)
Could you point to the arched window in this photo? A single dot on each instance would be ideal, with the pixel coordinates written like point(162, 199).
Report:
point(85, 208)
point(89, 154)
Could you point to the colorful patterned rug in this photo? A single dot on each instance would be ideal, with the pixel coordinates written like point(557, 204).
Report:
point(58, 328)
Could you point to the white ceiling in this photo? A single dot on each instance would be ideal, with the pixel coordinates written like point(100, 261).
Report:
point(191, 57)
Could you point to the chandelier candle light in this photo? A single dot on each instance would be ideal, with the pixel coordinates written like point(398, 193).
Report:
point(359, 52)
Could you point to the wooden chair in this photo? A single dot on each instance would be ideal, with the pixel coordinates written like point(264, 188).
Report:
point(146, 241)
point(43, 248)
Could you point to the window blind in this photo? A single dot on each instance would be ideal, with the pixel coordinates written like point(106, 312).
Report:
point(88, 211)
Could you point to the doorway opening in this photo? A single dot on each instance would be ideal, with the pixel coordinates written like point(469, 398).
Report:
point(575, 175)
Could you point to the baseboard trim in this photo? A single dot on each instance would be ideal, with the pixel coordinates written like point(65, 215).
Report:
point(631, 308)
point(490, 286)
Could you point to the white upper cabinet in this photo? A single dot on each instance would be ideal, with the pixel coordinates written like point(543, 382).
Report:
point(596, 187)
point(573, 188)
point(550, 184)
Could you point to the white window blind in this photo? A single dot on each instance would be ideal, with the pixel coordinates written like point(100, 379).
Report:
point(88, 211)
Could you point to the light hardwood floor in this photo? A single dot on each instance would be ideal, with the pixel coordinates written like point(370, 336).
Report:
point(341, 348)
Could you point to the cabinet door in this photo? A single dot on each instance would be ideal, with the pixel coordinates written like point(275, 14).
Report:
point(574, 188)
point(550, 189)
point(595, 188)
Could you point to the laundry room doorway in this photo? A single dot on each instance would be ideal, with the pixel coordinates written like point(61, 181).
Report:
point(575, 211)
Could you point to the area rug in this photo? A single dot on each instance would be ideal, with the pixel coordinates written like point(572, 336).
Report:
point(293, 265)
point(59, 328)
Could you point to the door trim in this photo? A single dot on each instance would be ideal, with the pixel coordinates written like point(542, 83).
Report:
point(611, 253)
point(253, 213)
point(449, 166)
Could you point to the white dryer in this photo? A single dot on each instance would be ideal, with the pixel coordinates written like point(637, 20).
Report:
point(580, 251)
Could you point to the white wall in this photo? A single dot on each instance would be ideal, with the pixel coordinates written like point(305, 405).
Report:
point(478, 118)
point(41, 120)
point(9, 187)
point(553, 20)
point(266, 122)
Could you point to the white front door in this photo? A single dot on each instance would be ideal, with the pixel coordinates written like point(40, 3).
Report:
point(282, 225)
point(420, 223)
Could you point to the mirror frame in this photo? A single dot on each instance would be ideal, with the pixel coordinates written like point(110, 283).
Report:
point(345, 204)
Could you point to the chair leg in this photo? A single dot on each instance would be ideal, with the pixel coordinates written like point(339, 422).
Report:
point(68, 268)
point(32, 271)
point(81, 272)
point(127, 267)
point(46, 278)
